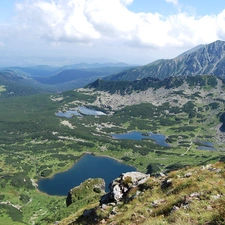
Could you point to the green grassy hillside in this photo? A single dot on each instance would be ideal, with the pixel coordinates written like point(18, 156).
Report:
point(187, 196)
point(35, 143)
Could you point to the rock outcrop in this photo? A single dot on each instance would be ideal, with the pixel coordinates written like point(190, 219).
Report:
point(120, 187)
point(86, 190)
point(184, 195)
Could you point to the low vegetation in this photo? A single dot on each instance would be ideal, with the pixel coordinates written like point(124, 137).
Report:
point(186, 196)
point(35, 143)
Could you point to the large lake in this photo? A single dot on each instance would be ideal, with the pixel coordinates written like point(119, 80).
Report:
point(88, 166)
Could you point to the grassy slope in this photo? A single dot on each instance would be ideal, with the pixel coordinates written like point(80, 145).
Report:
point(194, 196)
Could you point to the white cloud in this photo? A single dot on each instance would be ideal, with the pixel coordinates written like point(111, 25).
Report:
point(127, 2)
point(110, 21)
point(175, 2)
point(58, 20)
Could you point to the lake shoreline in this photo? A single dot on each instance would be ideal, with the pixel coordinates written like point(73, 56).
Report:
point(103, 166)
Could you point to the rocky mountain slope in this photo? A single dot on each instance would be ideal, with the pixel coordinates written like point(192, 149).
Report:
point(188, 196)
point(129, 87)
point(204, 59)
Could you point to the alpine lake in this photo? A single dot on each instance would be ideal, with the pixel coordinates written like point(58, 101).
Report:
point(90, 166)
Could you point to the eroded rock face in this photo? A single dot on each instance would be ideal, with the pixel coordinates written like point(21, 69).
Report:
point(120, 186)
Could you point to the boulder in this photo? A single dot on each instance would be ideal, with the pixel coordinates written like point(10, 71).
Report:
point(121, 186)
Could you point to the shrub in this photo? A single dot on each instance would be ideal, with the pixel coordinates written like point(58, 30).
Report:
point(97, 190)
point(46, 173)
point(126, 158)
point(12, 212)
point(127, 181)
point(219, 216)
point(24, 198)
point(214, 105)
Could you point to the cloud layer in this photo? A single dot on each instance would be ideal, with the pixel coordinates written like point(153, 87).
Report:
point(73, 29)
point(109, 21)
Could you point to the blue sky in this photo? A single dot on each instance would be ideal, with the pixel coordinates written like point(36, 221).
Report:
point(60, 32)
point(7, 8)
point(200, 7)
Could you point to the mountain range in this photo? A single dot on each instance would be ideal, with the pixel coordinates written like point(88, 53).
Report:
point(204, 59)
point(47, 79)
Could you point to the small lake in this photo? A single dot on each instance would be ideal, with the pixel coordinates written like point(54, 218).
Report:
point(205, 145)
point(88, 166)
point(89, 112)
point(68, 114)
point(159, 139)
point(79, 112)
point(206, 148)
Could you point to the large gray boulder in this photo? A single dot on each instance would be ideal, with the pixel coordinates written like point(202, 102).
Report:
point(121, 185)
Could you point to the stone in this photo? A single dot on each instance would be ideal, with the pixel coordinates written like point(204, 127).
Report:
point(166, 183)
point(209, 208)
point(169, 181)
point(216, 196)
point(185, 207)
point(209, 166)
point(162, 174)
point(133, 216)
point(218, 170)
point(117, 193)
point(113, 212)
point(120, 186)
point(188, 174)
point(104, 206)
point(156, 203)
point(112, 204)
point(103, 221)
point(137, 178)
point(175, 208)
point(195, 194)
point(149, 210)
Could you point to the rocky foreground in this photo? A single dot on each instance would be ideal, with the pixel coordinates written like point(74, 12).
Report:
point(188, 196)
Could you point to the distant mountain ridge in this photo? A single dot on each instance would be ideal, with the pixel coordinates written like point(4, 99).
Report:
point(43, 78)
point(204, 59)
point(47, 71)
point(79, 76)
point(16, 85)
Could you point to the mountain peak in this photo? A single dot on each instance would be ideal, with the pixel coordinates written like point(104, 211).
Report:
point(203, 59)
